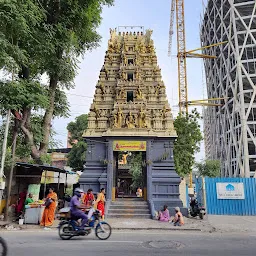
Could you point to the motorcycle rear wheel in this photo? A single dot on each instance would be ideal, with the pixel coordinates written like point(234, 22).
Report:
point(3, 247)
point(103, 231)
point(66, 231)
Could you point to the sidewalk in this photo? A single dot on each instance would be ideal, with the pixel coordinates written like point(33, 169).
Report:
point(229, 223)
point(128, 224)
point(212, 223)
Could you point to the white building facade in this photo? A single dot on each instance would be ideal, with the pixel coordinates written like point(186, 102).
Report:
point(230, 129)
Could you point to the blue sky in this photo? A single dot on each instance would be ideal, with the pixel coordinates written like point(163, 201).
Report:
point(153, 15)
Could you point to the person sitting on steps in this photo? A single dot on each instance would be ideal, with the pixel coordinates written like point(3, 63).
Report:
point(178, 218)
point(164, 215)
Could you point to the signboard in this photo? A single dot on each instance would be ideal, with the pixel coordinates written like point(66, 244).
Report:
point(230, 190)
point(49, 178)
point(34, 189)
point(123, 145)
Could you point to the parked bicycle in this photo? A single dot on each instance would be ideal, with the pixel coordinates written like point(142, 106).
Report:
point(3, 247)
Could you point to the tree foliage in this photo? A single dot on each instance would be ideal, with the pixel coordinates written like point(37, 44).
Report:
point(76, 157)
point(208, 168)
point(77, 127)
point(38, 40)
point(187, 143)
point(136, 170)
point(22, 148)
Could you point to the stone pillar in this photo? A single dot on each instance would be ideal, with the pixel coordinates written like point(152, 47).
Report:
point(110, 170)
point(149, 170)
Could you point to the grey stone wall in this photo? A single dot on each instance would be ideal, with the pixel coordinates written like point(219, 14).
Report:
point(162, 179)
point(95, 172)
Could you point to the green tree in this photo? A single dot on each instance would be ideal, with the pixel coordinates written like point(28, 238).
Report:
point(77, 127)
point(43, 38)
point(208, 168)
point(76, 156)
point(136, 170)
point(23, 150)
point(187, 143)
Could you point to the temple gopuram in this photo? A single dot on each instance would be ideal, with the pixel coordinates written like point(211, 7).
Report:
point(129, 114)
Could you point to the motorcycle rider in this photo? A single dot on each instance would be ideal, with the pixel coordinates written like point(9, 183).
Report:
point(76, 208)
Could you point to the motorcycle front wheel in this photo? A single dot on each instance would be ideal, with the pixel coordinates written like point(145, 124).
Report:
point(103, 231)
point(3, 247)
point(66, 231)
point(201, 216)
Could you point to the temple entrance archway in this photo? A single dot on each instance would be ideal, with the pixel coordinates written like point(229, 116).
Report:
point(129, 169)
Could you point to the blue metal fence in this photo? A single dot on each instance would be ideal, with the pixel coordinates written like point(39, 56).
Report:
point(246, 206)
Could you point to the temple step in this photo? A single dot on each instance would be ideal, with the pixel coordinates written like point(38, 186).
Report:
point(129, 208)
point(130, 216)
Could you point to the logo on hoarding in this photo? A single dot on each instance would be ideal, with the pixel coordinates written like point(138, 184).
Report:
point(230, 190)
point(230, 187)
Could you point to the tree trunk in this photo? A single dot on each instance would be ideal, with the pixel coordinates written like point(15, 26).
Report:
point(9, 188)
point(29, 135)
point(48, 116)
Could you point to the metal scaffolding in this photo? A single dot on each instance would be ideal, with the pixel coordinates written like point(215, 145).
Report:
point(230, 129)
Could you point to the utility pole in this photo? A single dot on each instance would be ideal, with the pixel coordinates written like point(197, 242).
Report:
point(4, 153)
point(9, 187)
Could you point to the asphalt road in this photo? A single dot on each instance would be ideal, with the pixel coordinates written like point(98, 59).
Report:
point(47, 243)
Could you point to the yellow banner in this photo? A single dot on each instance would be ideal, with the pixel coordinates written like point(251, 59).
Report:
point(123, 145)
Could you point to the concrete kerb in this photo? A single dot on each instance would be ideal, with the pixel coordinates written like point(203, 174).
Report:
point(119, 225)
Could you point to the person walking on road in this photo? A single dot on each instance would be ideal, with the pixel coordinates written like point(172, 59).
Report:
point(49, 211)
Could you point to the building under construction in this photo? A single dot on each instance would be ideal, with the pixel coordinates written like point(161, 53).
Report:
point(230, 129)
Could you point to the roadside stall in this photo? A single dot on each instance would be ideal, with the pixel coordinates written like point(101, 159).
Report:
point(31, 177)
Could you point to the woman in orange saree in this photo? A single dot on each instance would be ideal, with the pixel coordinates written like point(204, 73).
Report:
point(100, 202)
point(49, 211)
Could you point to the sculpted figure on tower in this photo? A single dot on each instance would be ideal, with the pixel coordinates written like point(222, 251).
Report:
point(130, 96)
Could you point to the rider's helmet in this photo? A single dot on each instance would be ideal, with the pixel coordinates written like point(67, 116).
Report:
point(78, 192)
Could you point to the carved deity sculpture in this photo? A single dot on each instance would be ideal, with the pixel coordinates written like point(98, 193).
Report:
point(120, 117)
point(96, 111)
point(137, 61)
point(122, 94)
point(142, 48)
point(137, 46)
point(108, 90)
point(150, 48)
point(124, 75)
point(101, 86)
point(115, 123)
point(139, 94)
point(126, 49)
point(148, 35)
point(112, 34)
point(142, 119)
point(137, 74)
point(130, 121)
point(164, 112)
point(98, 91)
point(125, 61)
point(158, 88)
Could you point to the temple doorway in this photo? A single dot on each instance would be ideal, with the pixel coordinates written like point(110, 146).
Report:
point(129, 173)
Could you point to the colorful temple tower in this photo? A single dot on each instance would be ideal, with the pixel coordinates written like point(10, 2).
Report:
point(130, 113)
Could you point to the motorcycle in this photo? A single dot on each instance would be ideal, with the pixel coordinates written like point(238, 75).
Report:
point(196, 210)
point(3, 247)
point(69, 227)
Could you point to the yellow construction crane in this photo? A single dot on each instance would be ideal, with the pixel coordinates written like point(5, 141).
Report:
point(182, 56)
